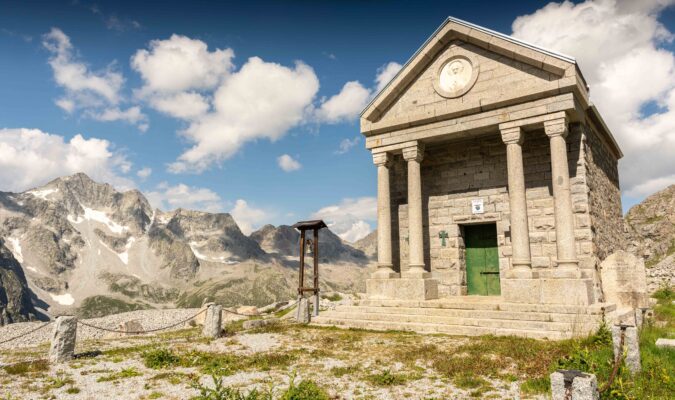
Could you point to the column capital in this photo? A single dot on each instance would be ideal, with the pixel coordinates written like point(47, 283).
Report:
point(556, 127)
point(512, 135)
point(383, 159)
point(414, 152)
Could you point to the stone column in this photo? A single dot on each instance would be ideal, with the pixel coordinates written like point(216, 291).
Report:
point(413, 155)
point(63, 339)
point(521, 261)
point(213, 321)
point(384, 257)
point(568, 265)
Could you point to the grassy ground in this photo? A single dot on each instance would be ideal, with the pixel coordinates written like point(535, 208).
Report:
point(316, 363)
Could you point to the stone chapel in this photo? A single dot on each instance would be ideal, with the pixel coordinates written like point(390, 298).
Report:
point(497, 190)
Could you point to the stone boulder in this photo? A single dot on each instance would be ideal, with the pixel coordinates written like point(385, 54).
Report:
point(624, 281)
point(259, 323)
point(248, 310)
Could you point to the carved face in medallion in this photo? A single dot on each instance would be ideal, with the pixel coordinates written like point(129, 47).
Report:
point(455, 75)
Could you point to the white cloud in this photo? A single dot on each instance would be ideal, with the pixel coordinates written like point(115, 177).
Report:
point(144, 173)
point(354, 97)
point(180, 64)
point(347, 144)
point(75, 76)
point(132, 115)
point(184, 105)
point(349, 219)
point(260, 101)
point(288, 164)
point(167, 197)
point(385, 74)
point(618, 45)
point(31, 157)
point(345, 105)
point(98, 93)
point(247, 217)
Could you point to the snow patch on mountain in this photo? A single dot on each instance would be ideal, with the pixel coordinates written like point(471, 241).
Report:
point(100, 216)
point(15, 248)
point(63, 299)
point(43, 193)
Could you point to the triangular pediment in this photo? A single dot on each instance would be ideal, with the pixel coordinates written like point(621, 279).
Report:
point(463, 68)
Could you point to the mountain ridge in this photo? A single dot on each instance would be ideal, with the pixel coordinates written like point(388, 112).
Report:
point(83, 244)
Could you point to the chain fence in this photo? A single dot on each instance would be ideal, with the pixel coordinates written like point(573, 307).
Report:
point(44, 325)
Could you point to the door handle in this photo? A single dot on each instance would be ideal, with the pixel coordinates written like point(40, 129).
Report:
point(490, 273)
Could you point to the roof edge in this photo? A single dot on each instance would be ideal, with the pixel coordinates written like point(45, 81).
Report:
point(595, 114)
point(471, 26)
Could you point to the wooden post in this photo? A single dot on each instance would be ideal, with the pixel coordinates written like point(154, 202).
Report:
point(302, 263)
point(316, 272)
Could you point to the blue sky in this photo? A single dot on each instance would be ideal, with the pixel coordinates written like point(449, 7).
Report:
point(95, 69)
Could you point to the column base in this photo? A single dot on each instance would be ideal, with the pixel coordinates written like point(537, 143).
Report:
point(385, 272)
point(578, 292)
point(402, 289)
point(416, 272)
point(521, 290)
point(566, 269)
point(522, 273)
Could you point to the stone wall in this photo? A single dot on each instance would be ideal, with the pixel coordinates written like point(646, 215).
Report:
point(604, 196)
point(455, 173)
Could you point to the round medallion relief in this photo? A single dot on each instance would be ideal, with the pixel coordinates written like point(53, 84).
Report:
point(455, 77)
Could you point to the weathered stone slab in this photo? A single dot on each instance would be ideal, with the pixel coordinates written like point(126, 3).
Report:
point(665, 343)
point(213, 321)
point(573, 385)
point(131, 327)
point(259, 323)
point(402, 288)
point(248, 310)
point(199, 319)
point(521, 290)
point(567, 291)
point(302, 313)
point(624, 281)
point(63, 339)
point(631, 346)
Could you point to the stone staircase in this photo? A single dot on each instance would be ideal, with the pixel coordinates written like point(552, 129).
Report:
point(470, 316)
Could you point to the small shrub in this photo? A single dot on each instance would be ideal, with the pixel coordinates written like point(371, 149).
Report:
point(220, 392)
point(333, 297)
point(73, 390)
point(24, 368)
point(160, 358)
point(386, 378)
point(59, 381)
point(305, 390)
point(122, 374)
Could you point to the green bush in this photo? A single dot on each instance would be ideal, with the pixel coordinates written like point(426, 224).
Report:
point(160, 358)
point(305, 390)
point(386, 378)
point(220, 392)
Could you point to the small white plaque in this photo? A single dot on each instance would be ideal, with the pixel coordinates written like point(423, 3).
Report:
point(477, 206)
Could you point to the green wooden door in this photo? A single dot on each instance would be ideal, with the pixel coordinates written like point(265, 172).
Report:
point(482, 260)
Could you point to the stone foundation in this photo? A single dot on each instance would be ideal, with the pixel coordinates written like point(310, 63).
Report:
point(402, 288)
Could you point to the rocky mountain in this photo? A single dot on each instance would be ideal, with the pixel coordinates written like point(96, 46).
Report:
point(284, 240)
point(16, 304)
point(76, 244)
point(368, 245)
point(650, 229)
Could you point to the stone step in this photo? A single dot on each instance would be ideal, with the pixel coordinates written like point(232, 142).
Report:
point(490, 323)
point(491, 303)
point(486, 314)
point(439, 328)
